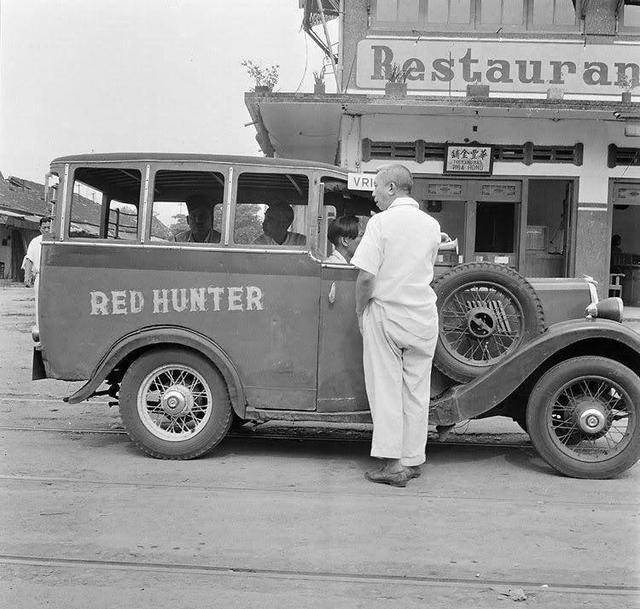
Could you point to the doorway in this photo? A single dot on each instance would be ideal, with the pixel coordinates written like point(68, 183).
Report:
point(483, 215)
point(549, 208)
point(625, 240)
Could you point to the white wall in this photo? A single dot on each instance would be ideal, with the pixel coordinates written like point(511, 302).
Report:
point(594, 135)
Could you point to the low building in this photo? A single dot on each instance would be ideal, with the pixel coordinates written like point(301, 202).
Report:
point(519, 120)
point(21, 207)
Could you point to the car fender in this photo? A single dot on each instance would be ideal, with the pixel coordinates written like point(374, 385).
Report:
point(158, 336)
point(482, 394)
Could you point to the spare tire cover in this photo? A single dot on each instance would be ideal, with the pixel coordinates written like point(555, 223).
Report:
point(485, 312)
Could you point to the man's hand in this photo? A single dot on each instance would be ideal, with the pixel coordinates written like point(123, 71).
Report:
point(360, 324)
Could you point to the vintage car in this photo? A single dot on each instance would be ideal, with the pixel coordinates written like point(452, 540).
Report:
point(194, 332)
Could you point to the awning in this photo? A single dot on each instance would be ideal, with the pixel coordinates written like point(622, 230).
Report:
point(307, 126)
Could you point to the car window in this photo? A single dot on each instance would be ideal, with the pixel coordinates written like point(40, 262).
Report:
point(105, 203)
point(187, 207)
point(271, 210)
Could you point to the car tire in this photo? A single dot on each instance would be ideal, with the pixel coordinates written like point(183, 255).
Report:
point(485, 312)
point(582, 417)
point(174, 404)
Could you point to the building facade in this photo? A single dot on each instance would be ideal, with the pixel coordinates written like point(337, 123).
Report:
point(520, 120)
point(21, 207)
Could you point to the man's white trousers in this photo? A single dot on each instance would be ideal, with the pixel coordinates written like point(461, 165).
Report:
point(397, 371)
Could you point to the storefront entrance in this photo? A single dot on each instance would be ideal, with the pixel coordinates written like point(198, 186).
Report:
point(521, 223)
point(625, 240)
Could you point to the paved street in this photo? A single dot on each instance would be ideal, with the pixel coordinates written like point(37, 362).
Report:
point(271, 520)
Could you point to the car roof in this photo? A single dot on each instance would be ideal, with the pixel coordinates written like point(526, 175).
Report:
point(113, 157)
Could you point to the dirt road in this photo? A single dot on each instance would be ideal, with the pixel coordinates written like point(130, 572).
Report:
point(275, 521)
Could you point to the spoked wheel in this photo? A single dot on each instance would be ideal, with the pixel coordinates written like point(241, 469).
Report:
point(582, 417)
point(486, 311)
point(174, 404)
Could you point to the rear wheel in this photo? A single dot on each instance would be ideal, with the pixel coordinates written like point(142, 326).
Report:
point(582, 417)
point(174, 404)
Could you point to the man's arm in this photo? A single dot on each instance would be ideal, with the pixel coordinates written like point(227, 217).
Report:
point(364, 291)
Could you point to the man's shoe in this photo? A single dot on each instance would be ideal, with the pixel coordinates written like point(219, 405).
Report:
point(391, 478)
point(414, 471)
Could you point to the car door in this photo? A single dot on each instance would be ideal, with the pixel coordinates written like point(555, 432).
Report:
point(276, 347)
point(340, 372)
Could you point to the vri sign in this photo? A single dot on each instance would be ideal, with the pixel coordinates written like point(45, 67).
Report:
point(360, 181)
point(440, 65)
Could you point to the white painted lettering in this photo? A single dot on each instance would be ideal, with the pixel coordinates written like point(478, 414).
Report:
point(160, 301)
point(179, 304)
point(178, 300)
point(119, 302)
point(254, 298)
point(235, 299)
point(197, 299)
point(136, 301)
point(99, 303)
point(217, 292)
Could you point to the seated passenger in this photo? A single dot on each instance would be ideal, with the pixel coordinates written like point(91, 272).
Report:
point(199, 219)
point(277, 220)
point(344, 234)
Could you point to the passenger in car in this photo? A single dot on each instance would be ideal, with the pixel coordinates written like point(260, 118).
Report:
point(275, 227)
point(344, 235)
point(199, 219)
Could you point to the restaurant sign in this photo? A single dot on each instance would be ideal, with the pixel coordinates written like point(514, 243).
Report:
point(470, 160)
point(516, 67)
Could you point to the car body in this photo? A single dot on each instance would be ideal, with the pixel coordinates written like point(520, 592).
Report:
point(270, 328)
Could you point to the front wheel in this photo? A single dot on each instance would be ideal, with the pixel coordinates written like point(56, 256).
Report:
point(174, 404)
point(582, 417)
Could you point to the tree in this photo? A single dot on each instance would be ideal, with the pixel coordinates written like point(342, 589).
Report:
point(179, 224)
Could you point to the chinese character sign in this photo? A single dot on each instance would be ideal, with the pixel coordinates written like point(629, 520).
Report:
point(468, 159)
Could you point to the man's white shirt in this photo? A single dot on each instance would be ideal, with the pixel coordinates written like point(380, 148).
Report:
point(33, 253)
point(399, 248)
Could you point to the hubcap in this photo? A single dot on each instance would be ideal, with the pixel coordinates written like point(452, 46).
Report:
point(177, 400)
point(591, 420)
point(481, 322)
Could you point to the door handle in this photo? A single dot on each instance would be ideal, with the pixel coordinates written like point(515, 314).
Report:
point(332, 292)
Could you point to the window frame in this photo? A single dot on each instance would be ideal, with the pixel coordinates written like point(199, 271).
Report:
point(311, 232)
point(627, 29)
point(103, 211)
point(204, 167)
point(475, 25)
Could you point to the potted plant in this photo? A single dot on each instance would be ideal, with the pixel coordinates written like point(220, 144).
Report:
point(264, 77)
point(318, 82)
point(627, 84)
point(396, 85)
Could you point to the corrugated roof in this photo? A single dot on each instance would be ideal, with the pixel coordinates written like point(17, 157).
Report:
point(20, 195)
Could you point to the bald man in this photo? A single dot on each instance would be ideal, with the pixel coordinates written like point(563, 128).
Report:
point(396, 310)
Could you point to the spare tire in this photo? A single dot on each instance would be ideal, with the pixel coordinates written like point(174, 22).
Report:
point(485, 312)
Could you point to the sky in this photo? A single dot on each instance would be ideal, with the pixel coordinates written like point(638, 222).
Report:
point(81, 76)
